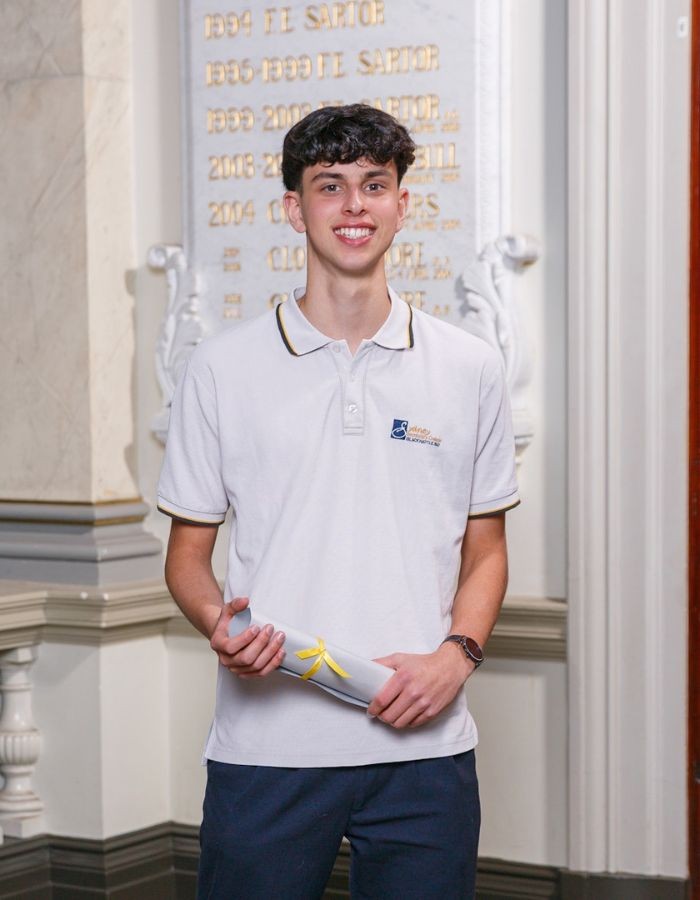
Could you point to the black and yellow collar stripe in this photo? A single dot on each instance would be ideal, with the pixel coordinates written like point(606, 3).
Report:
point(283, 331)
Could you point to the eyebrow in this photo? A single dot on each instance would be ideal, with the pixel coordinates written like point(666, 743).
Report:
point(338, 176)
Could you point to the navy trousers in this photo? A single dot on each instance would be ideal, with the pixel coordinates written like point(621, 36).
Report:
point(273, 833)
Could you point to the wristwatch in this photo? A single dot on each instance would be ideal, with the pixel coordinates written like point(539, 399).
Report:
point(470, 647)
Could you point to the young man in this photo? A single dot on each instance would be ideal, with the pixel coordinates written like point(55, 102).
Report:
point(354, 439)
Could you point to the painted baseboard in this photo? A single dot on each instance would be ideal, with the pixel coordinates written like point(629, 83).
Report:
point(587, 886)
point(160, 863)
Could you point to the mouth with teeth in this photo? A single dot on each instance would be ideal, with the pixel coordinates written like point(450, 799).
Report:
point(353, 234)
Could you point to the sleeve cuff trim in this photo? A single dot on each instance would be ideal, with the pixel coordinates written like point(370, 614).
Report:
point(198, 518)
point(495, 509)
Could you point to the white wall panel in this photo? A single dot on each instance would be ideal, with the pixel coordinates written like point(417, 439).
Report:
point(520, 708)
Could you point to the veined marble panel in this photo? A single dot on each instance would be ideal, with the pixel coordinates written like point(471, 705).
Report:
point(66, 245)
point(44, 408)
point(107, 39)
point(39, 39)
point(111, 316)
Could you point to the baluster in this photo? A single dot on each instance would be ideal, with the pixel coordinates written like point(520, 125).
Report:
point(21, 810)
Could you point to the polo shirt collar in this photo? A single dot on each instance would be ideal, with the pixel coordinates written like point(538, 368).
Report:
point(300, 336)
point(397, 331)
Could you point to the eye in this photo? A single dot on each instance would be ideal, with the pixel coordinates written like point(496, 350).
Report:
point(375, 186)
point(331, 188)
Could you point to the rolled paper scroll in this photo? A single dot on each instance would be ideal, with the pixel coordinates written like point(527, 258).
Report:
point(349, 677)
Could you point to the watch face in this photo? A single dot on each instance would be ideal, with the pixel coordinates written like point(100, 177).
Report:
point(474, 649)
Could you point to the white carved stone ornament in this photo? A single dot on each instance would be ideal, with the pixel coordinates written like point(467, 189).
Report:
point(490, 312)
point(182, 327)
point(21, 810)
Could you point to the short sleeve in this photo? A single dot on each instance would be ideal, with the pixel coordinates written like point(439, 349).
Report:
point(191, 485)
point(494, 484)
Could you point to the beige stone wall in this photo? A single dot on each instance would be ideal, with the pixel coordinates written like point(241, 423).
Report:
point(66, 247)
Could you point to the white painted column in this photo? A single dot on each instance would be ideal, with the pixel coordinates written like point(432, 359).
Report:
point(21, 810)
point(628, 240)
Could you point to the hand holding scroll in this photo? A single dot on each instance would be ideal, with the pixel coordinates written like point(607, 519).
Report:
point(254, 652)
point(422, 685)
point(351, 678)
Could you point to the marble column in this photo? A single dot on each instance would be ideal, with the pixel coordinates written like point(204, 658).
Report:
point(70, 512)
point(68, 487)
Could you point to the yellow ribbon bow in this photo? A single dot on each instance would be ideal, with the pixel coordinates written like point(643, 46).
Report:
point(322, 655)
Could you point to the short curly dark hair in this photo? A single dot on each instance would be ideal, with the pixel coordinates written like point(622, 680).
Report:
point(344, 134)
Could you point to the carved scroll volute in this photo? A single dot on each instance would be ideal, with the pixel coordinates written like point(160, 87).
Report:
point(490, 312)
point(182, 327)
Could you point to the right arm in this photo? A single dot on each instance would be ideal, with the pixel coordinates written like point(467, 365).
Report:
point(190, 579)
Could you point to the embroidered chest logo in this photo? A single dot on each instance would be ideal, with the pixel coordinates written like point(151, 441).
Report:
point(402, 431)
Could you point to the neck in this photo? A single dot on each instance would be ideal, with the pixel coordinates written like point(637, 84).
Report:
point(345, 308)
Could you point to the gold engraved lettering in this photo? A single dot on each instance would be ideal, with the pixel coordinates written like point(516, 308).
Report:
point(231, 72)
point(451, 224)
point(287, 68)
point(218, 25)
point(441, 311)
point(441, 268)
point(276, 213)
point(405, 260)
point(283, 117)
point(418, 108)
point(231, 264)
point(344, 15)
point(450, 176)
point(242, 165)
point(272, 167)
point(286, 259)
point(420, 178)
point(235, 212)
point(329, 64)
point(423, 206)
point(436, 156)
point(451, 121)
point(233, 312)
point(404, 254)
point(232, 298)
point(231, 119)
point(399, 60)
point(277, 20)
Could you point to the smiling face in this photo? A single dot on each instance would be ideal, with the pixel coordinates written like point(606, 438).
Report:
point(350, 213)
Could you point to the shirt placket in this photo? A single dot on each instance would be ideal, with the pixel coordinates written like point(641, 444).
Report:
point(352, 371)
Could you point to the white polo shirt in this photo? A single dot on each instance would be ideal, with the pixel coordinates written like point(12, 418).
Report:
point(351, 480)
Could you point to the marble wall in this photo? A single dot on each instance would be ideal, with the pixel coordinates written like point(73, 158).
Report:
point(66, 248)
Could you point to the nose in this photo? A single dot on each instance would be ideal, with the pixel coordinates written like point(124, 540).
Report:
point(354, 201)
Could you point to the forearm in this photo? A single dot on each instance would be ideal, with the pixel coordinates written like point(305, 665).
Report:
point(480, 595)
point(253, 653)
point(194, 588)
point(482, 585)
point(425, 683)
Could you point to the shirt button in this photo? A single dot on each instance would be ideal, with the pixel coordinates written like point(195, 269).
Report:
point(336, 348)
point(352, 407)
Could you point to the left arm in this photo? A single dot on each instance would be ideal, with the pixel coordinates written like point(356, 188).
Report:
point(425, 683)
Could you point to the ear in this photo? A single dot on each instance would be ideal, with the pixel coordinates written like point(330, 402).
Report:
point(402, 208)
point(292, 206)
